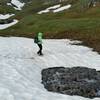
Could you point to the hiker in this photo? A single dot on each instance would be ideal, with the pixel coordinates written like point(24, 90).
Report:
point(38, 41)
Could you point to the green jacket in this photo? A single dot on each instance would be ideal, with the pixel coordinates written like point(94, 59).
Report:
point(39, 35)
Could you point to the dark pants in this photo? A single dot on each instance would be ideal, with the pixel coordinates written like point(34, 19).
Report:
point(40, 49)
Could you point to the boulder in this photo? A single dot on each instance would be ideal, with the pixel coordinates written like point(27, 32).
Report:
point(81, 81)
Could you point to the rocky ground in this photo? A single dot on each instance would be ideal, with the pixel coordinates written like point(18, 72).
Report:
point(80, 81)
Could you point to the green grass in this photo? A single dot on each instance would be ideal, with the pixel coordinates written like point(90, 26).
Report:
point(75, 23)
point(4, 8)
point(87, 21)
point(47, 24)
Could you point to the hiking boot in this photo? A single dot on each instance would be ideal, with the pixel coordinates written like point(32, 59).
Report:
point(40, 54)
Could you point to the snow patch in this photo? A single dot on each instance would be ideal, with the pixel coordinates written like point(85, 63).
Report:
point(20, 76)
point(48, 9)
point(62, 8)
point(6, 16)
point(9, 4)
point(4, 26)
point(43, 11)
point(74, 42)
point(55, 9)
point(16, 4)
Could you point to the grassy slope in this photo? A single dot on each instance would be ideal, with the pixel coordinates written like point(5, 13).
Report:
point(76, 23)
point(4, 8)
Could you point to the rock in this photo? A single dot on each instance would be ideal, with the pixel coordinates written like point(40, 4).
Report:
point(2, 22)
point(6, 21)
point(9, 21)
point(80, 81)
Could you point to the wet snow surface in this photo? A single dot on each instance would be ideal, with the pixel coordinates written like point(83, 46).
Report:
point(20, 66)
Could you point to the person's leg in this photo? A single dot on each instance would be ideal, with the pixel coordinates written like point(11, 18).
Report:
point(40, 49)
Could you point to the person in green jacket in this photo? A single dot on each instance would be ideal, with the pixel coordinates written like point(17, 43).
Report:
point(39, 42)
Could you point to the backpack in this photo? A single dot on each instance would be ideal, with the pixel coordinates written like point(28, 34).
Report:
point(36, 39)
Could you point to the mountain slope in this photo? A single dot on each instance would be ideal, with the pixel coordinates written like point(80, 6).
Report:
point(79, 22)
point(21, 71)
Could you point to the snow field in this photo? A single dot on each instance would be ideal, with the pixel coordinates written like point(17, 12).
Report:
point(20, 66)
